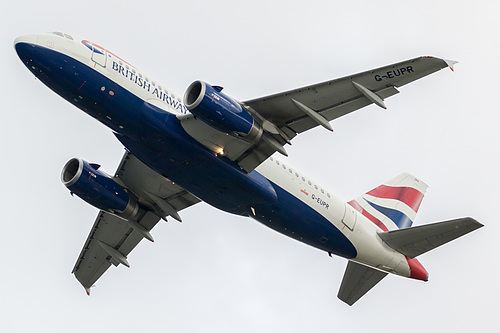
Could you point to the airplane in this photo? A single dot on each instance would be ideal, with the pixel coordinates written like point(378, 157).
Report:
point(211, 147)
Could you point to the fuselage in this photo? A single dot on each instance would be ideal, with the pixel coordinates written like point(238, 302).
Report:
point(144, 115)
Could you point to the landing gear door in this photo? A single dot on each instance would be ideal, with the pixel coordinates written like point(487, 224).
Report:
point(99, 55)
point(349, 218)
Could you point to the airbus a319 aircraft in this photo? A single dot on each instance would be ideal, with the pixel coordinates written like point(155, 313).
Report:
point(211, 147)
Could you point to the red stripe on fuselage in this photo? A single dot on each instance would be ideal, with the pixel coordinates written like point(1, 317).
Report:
point(408, 195)
point(369, 216)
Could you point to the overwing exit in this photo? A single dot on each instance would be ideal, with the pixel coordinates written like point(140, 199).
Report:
point(211, 147)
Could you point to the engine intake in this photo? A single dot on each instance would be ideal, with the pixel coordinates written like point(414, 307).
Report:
point(220, 111)
point(97, 188)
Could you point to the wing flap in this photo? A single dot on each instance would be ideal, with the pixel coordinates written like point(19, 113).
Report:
point(415, 241)
point(111, 230)
point(358, 280)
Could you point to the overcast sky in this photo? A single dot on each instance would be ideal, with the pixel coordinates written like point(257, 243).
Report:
point(220, 273)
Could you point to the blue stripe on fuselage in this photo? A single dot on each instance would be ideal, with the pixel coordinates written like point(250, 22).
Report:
point(82, 86)
point(292, 217)
point(157, 138)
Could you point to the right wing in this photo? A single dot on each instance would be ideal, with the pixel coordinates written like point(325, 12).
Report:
point(113, 238)
point(284, 115)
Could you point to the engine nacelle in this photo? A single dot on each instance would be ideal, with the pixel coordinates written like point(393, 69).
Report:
point(221, 112)
point(97, 188)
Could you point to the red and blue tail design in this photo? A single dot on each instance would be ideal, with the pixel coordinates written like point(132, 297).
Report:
point(393, 205)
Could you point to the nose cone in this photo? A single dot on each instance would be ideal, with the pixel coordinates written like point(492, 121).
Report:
point(25, 46)
point(26, 39)
point(417, 271)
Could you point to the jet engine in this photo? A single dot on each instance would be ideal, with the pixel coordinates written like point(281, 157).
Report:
point(220, 111)
point(98, 189)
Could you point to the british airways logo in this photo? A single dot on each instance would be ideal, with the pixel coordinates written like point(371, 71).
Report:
point(144, 83)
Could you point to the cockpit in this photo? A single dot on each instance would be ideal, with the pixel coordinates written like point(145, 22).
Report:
point(60, 34)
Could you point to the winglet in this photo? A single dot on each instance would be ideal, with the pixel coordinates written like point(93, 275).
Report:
point(87, 290)
point(451, 64)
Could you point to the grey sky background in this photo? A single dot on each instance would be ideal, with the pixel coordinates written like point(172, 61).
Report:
point(220, 273)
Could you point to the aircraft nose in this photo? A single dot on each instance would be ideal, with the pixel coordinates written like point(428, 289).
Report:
point(28, 39)
point(25, 46)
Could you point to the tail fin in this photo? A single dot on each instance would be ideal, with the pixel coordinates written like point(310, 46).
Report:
point(393, 205)
point(414, 241)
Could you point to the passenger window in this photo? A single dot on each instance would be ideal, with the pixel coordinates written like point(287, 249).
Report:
point(316, 187)
point(303, 179)
point(309, 182)
point(277, 162)
point(322, 192)
point(296, 175)
point(328, 194)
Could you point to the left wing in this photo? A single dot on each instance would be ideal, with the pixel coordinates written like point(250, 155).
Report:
point(282, 116)
point(112, 238)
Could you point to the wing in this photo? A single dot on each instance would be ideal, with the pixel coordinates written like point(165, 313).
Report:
point(113, 238)
point(289, 113)
point(358, 280)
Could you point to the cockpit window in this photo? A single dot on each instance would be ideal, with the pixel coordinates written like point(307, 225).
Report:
point(57, 33)
point(68, 36)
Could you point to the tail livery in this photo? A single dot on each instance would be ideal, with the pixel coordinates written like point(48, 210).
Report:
point(393, 207)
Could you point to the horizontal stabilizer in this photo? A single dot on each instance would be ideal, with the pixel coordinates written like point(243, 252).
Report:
point(358, 280)
point(414, 241)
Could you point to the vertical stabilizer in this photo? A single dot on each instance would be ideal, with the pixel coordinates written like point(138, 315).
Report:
point(394, 204)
